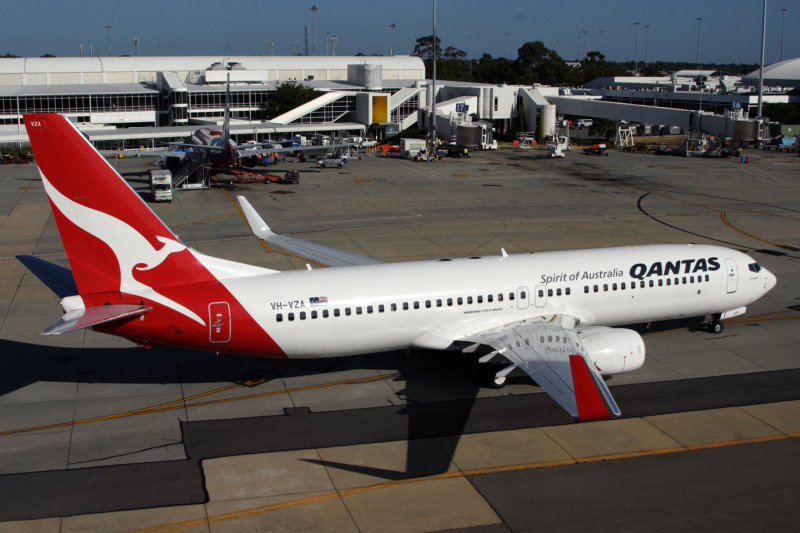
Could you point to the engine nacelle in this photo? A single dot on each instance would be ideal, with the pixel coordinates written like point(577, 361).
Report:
point(612, 350)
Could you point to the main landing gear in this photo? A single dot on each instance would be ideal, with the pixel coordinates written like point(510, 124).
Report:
point(486, 373)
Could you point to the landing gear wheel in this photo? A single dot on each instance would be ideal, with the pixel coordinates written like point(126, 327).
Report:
point(716, 326)
point(487, 375)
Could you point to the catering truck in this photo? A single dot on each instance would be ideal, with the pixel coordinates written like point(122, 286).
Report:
point(161, 185)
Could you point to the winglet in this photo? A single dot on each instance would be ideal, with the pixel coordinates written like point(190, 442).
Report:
point(592, 396)
point(257, 224)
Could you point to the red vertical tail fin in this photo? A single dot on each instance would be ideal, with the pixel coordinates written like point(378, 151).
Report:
point(107, 230)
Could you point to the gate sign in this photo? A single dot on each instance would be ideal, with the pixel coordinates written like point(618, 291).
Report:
point(461, 107)
point(736, 105)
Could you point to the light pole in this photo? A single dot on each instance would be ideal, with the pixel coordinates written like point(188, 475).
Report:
point(783, 19)
point(269, 44)
point(333, 44)
point(470, 55)
point(136, 45)
point(393, 26)
point(314, 10)
point(327, 42)
point(585, 47)
point(646, 39)
point(698, 42)
point(108, 28)
point(602, 40)
point(761, 69)
point(636, 50)
point(508, 50)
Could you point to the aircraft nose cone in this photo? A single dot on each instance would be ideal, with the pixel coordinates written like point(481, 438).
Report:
point(769, 280)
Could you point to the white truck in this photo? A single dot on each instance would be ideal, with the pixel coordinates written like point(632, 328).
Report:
point(161, 185)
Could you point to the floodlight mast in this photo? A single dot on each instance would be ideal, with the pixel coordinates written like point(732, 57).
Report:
point(432, 133)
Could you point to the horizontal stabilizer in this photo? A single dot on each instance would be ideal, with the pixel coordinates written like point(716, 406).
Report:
point(94, 316)
point(307, 250)
point(57, 278)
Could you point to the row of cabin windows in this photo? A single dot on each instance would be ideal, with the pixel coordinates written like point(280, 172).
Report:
point(649, 283)
point(552, 292)
point(381, 308)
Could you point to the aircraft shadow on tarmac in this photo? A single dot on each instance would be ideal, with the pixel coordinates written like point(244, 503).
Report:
point(439, 388)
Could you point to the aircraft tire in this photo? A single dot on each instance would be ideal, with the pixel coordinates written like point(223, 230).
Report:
point(716, 326)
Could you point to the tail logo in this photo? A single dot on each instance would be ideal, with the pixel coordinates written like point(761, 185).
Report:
point(132, 250)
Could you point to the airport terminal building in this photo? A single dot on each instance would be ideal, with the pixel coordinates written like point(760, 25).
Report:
point(124, 102)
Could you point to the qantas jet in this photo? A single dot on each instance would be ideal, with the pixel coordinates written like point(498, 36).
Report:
point(546, 314)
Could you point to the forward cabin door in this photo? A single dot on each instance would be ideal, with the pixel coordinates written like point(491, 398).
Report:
point(733, 279)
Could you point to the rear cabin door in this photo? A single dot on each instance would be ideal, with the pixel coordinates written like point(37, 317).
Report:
point(219, 322)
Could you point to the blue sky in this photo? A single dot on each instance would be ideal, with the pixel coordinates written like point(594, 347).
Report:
point(730, 30)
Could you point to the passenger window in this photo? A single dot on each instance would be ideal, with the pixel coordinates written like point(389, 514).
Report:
point(449, 302)
point(651, 283)
point(358, 310)
point(336, 312)
point(291, 316)
point(613, 286)
point(438, 303)
point(460, 300)
point(302, 315)
point(541, 293)
point(469, 299)
point(558, 292)
point(324, 313)
point(585, 288)
point(480, 299)
point(550, 292)
point(405, 306)
point(660, 282)
point(684, 280)
point(394, 307)
point(369, 309)
point(596, 288)
point(416, 305)
point(427, 304)
point(691, 279)
point(605, 287)
point(279, 317)
point(313, 314)
point(707, 277)
point(347, 311)
point(500, 297)
point(490, 298)
point(669, 281)
point(641, 284)
point(523, 294)
point(622, 286)
point(568, 291)
point(510, 295)
point(381, 308)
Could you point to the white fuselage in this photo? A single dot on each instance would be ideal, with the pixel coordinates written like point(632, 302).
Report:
point(429, 304)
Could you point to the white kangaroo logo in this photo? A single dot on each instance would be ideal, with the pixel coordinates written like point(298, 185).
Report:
point(129, 246)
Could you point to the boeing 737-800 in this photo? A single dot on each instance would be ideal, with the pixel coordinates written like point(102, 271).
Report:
point(548, 314)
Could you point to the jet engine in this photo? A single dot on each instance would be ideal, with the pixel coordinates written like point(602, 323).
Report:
point(612, 350)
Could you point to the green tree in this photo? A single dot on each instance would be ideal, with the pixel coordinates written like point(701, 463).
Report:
point(287, 96)
point(424, 47)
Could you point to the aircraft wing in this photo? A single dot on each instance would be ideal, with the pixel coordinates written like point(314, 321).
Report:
point(255, 149)
point(553, 356)
point(307, 250)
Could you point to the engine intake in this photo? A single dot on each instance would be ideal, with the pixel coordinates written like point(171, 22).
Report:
point(612, 350)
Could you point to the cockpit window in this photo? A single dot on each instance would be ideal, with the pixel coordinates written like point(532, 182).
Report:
point(754, 267)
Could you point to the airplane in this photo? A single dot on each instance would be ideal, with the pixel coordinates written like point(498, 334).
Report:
point(546, 314)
